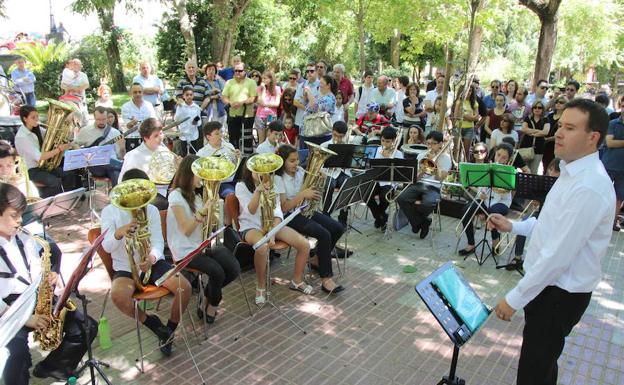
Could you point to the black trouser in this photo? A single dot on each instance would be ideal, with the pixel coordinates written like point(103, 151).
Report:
point(54, 181)
point(326, 231)
point(329, 196)
point(64, 358)
point(417, 213)
point(549, 318)
point(521, 241)
point(181, 147)
point(379, 209)
point(241, 127)
point(220, 266)
point(498, 208)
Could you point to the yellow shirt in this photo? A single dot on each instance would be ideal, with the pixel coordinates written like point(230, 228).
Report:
point(238, 92)
point(470, 110)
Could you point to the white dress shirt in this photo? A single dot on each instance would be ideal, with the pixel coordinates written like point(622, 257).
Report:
point(248, 220)
point(152, 81)
point(379, 155)
point(114, 218)
point(289, 185)
point(89, 134)
point(179, 243)
point(266, 147)
point(571, 235)
point(130, 110)
point(140, 158)
point(17, 283)
point(27, 146)
point(226, 147)
point(189, 129)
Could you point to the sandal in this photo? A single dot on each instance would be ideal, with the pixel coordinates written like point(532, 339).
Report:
point(301, 286)
point(260, 299)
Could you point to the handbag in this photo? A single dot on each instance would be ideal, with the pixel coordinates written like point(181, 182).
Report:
point(528, 153)
point(317, 124)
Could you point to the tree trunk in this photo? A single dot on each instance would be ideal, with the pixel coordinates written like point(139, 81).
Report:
point(106, 18)
point(548, 14)
point(395, 48)
point(361, 35)
point(186, 28)
point(226, 15)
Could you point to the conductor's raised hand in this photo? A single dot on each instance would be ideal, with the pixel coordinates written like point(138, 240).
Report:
point(499, 222)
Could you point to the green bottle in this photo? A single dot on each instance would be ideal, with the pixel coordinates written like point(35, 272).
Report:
point(104, 334)
point(72, 381)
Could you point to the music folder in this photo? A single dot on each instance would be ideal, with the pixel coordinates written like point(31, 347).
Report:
point(88, 157)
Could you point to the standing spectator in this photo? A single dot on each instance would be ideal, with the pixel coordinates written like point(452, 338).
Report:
point(430, 99)
point(476, 83)
point(413, 108)
point(269, 95)
point(325, 101)
point(292, 83)
point(364, 95)
point(134, 112)
point(104, 93)
point(215, 109)
point(617, 114)
point(505, 130)
point(287, 108)
point(74, 82)
point(321, 68)
point(240, 93)
point(190, 138)
point(468, 111)
point(572, 89)
point(345, 87)
point(613, 160)
point(519, 108)
point(493, 119)
point(256, 77)
point(534, 129)
point(540, 93)
point(24, 81)
point(553, 120)
point(512, 88)
point(490, 100)
point(384, 96)
point(199, 86)
point(228, 73)
point(338, 115)
point(309, 87)
point(433, 83)
point(399, 112)
point(153, 87)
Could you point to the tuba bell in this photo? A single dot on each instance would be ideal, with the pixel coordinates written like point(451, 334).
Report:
point(212, 170)
point(162, 166)
point(314, 177)
point(266, 165)
point(133, 195)
point(59, 131)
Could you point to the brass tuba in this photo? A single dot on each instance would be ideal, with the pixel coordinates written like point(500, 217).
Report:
point(212, 170)
point(266, 165)
point(314, 177)
point(49, 338)
point(58, 132)
point(133, 195)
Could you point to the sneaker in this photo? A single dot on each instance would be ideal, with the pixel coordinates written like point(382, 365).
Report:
point(616, 226)
point(165, 340)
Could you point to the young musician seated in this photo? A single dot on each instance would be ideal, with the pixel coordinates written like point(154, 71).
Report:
point(186, 216)
point(248, 193)
point(189, 130)
point(323, 228)
point(381, 189)
point(371, 122)
point(272, 141)
point(418, 200)
point(120, 225)
point(28, 142)
point(20, 263)
point(152, 135)
point(97, 134)
point(338, 175)
point(516, 160)
point(554, 171)
point(215, 145)
point(136, 111)
point(500, 203)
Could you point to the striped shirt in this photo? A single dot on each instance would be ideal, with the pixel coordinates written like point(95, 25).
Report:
point(200, 88)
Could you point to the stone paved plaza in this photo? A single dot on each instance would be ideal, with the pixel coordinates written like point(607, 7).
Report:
point(378, 331)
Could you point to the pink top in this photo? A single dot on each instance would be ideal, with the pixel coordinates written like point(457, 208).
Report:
point(264, 111)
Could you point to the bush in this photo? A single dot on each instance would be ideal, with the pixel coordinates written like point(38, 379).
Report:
point(48, 84)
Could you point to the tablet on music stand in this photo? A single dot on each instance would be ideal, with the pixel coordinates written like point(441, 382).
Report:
point(88, 157)
point(79, 272)
point(64, 202)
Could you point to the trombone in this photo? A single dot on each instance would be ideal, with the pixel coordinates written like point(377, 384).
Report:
point(508, 239)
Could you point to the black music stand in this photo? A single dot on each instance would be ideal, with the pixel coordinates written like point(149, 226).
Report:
point(456, 307)
point(72, 288)
point(350, 155)
point(490, 175)
point(533, 187)
point(36, 211)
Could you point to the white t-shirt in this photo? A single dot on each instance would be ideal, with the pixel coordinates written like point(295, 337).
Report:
point(399, 113)
point(338, 115)
point(431, 97)
point(226, 147)
point(130, 110)
point(444, 163)
point(286, 184)
point(398, 154)
point(266, 147)
point(498, 135)
point(363, 99)
point(189, 129)
point(246, 219)
point(180, 244)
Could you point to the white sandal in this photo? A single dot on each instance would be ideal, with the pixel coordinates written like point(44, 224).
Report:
point(260, 299)
point(301, 286)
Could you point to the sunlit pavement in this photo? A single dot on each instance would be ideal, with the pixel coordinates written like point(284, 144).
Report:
point(349, 339)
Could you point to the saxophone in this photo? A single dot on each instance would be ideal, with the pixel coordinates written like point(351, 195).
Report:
point(134, 195)
point(314, 177)
point(50, 337)
point(266, 165)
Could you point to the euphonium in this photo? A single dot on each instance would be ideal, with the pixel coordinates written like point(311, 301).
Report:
point(133, 195)
point(50, 337)
point(162, 166)
point(212, 170)
point(58, 132)
point(266, 165)
point(428, 165)
point(314, 177)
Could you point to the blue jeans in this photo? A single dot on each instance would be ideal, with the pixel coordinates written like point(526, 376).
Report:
point(30, 98)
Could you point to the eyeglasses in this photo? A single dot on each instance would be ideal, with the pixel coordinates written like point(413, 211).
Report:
point(538, 108)
point(292, 78)
point(493, 86)
point(543, 87)
point(559, 102)
point(239, 71)
point(310, 71)
point(255, 76)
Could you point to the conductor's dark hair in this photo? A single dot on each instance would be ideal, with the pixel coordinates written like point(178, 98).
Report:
point(435, 135)
point(134, 173)
point(597, 117)
point(11, 197)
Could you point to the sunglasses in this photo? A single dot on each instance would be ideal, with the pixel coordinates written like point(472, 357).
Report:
point(538, 108)
point(477, 152)
point(310, 71)
point(559, 102)
point(255, 76)
point(292, 78)
point(493, 86)
point(543, 87)
point(239, 71)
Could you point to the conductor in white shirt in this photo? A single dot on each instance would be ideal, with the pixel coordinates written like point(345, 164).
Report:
point(567, 242)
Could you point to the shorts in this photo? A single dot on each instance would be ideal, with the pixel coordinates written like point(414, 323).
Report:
point(160, 268)
point(618, 182)
point(260, 124)
point(468, 133)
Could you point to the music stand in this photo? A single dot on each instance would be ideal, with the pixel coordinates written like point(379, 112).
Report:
point(35, 211)
point(533, 187)
point(72, 288)
point(350, 155)
point(490, 175)
point(457, 308)
point(63, 203)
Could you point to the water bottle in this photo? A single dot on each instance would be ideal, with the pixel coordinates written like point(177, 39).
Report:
point(104, 334)
point(72, 381)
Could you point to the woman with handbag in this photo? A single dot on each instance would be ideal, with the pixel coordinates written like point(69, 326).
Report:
point(317, 116)
point(534, 129)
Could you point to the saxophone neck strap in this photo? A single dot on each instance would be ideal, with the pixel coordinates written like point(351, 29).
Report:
point(7, 261)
